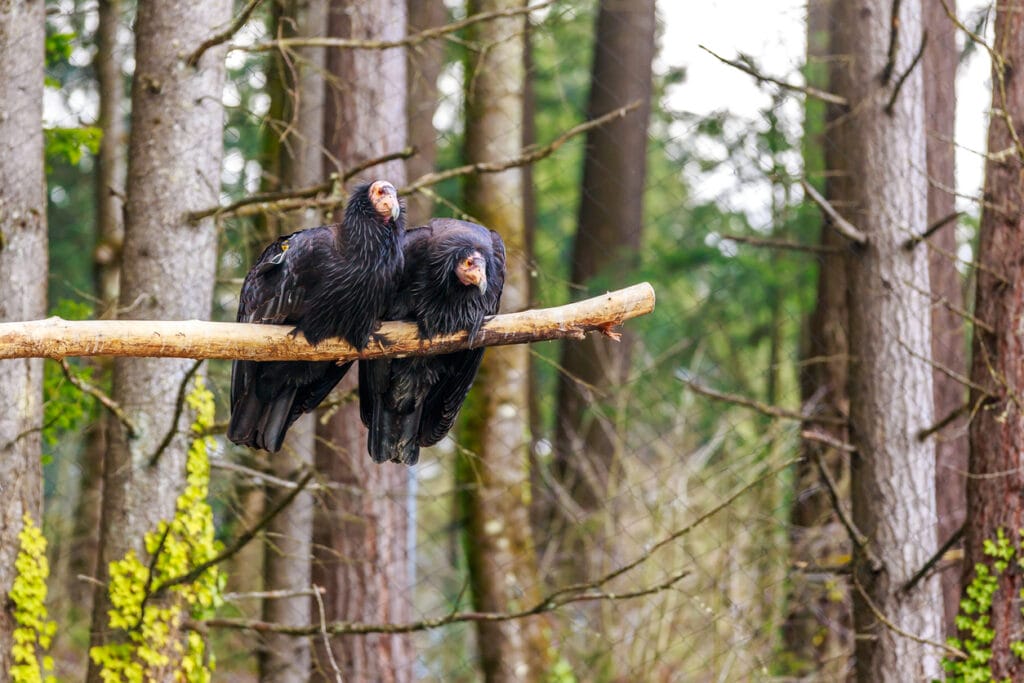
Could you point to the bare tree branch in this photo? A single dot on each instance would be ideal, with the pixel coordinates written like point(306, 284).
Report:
point(110, 404)
point(805, 89)
point(838, 223)
point(408, 41)
point(225, 35)
point(308, 197)
point(548, 604)
point(57, 338)
point(859, 540)
point(931, 229)
point(237, 545)
point(903, 77)
point(782, 244)
point(580, 592)
point(763, 408)
point(939, 555)
point(529, 155)
point(268, 201)
point(885, 621)
point(178, 407)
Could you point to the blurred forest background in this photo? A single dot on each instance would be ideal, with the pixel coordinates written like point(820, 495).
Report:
point(794, 469)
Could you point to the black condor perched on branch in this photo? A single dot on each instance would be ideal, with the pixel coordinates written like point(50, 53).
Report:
point(454, 274)
point(330, 281)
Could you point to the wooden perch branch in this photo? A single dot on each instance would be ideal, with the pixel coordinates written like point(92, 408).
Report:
point(58, 338)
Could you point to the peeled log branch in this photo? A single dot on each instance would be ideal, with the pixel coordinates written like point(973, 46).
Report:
point(58, 338)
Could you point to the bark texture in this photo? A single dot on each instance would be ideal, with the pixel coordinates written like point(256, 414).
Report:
point(169, 263)
point(288, 548)
point(424, 64)
point(996, 479)
point(23, 268)
point(360, 535)
point(817, 629)
point(949, 341)
point(606, 247)
point(110, 178)
point(881, 143)
point(496, 477)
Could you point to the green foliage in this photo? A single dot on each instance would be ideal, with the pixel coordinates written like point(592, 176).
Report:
point(58, 50)
point(66, 410)
point(33, 631)
point(69, 144)
point(974, 620)
point(151, 618)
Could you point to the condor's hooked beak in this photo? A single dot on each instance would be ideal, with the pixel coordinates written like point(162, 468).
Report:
point(384, 198)
point(471, 271)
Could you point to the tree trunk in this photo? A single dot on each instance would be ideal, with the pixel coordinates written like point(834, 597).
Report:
point(994, 502)
point(817, 622)
point(606, 248)
point(949, 344)
point(288, 549)
point(881, 143)
point(110, 177)
point(169, 264)
point(423, 64)
point(496, 478)
point(361, 556)
point(23, 268)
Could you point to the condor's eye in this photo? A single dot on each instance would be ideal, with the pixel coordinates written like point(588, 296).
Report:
point(468, 262)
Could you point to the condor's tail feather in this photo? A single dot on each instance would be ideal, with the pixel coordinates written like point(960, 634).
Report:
point(394, 436)
point(262, 424)
point(265, 401)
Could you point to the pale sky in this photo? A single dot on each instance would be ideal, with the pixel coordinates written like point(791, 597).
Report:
point(773, 32)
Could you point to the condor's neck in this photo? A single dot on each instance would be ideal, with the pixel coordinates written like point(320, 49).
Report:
point(360, 237)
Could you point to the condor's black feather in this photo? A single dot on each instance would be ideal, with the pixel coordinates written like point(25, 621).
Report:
point(329, 281)
point(411, 402)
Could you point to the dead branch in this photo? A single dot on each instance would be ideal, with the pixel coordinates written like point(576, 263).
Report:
point(782, 244)
point(179, 406)
point(225, 35)
point(931, 229)
point(838, 223)
point(763, 408)
point(237, 545)
point(408, 41)
point(530, 154)
point(547, 604)
point(58, 338)
point(859, 540)
point(891, 105)
point(885, 621)
point(94, 391)
point(308, 197)
point(939, 556)
point(831, 98)
point(947, 420)
point(830, 441)
point(894, 41)
point(270, 200)
point(579, 592)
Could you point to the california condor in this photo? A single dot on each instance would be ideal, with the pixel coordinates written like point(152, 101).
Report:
point(330, 281)
point(454, 274)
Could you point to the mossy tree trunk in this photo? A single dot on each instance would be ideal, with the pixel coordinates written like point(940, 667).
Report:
point(949, 342)
point(23, 268)
point(361, 527)
point(494, 471)
point(881, 147)
point(168, 268)
point(995, 481)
